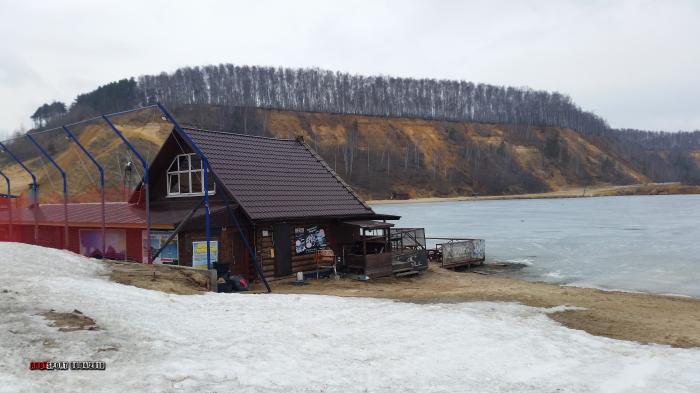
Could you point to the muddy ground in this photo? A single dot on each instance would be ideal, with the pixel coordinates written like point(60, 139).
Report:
point(70, 321)
point(164, 278)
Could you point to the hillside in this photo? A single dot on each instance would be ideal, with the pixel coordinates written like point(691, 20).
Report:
point(384, 135)
point(379, 156)
point(143, 129)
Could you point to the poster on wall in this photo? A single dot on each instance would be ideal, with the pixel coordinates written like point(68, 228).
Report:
point(199, 253)
point(169, 254)
point(115, 243)
point(309, 239)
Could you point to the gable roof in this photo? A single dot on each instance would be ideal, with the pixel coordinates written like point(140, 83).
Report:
point(277, 178)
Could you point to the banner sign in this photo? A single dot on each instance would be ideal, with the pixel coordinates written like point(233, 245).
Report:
point(309, 239)
point(158, 238)
point(463, 251)
point(115, 243)
point(199, 253)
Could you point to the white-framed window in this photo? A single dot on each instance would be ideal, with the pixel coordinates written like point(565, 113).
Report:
point(185, 176)
point(372, 232)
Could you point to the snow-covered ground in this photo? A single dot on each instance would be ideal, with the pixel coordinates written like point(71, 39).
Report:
point(286, 343)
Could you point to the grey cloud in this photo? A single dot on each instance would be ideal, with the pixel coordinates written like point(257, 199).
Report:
point(614, 58)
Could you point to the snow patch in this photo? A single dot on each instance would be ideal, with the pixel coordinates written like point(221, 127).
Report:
point(562, 308)
point(556, 275)
point(152, 341)
point(521, 261)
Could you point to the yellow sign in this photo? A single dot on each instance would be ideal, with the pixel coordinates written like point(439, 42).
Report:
point(199, 253)
point(201, 247)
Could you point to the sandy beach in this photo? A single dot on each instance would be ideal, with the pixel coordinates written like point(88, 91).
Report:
point(641, 317)
point(646, 318)
point(574, 192)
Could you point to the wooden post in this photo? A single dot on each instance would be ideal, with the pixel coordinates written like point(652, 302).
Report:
point(213, 280)
point(364, 242)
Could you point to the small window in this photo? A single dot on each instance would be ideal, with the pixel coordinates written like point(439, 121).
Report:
point(173, 184)
point(184, 162)
point(372, 232)
point(195, 162)
point(185, 183)
point(196, 180)
point(185, 176)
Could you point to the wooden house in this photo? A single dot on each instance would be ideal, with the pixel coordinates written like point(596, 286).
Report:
point(275, 208)
point(272, 198)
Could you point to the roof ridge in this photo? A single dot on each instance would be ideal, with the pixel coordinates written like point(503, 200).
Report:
point(238, 134)
point(318, 158)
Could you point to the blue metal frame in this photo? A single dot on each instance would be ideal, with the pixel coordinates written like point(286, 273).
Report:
point(261, 274)
point(14, 157)
point(9, 205)
point(35, 190)
point(65, 187)
point(206, 169)
point(183, 134)
point(146, 184)
point(102, 183)
point(88, 120)
point(223, 194)
point(7, 180)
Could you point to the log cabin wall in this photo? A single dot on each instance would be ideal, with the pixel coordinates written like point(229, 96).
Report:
point(185, 239)
point(232, 251)
point(265, 246)
point(265, 250)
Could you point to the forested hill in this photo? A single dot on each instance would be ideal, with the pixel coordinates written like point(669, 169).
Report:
point(460, 137)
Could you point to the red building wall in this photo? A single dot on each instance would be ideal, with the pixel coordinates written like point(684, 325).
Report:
point(52, 236)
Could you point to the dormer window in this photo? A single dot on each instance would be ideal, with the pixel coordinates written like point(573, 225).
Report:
point(185, 176)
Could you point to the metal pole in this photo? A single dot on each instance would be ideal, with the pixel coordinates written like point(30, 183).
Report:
point(258, 268)
point(144, 163)
point(178, 228)
point(65, 188)
point(102, 183)
point(34, 187)
point(88, 120)
point(223, 195)
point(9, 205)
point(205, 169)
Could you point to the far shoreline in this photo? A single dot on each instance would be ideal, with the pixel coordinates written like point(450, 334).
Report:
point(574, 192)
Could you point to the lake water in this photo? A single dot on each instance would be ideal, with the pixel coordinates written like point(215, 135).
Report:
point(634, 243)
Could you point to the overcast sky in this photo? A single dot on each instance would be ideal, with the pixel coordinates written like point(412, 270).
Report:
point(636, 63)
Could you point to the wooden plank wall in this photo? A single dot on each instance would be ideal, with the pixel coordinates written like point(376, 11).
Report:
point(300, 263)
point(185, 240)
point(265, 247)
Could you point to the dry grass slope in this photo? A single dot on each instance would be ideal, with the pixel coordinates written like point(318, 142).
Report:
point(376, 155)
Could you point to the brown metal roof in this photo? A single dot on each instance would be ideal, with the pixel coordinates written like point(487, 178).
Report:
point(369, 224)
point(117, 214)
point(277, 178)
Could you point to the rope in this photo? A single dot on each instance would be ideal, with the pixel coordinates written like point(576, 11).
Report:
point(46, 172)
point(80, 158)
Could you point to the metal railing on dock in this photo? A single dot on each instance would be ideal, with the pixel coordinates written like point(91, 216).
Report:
point(458, 252)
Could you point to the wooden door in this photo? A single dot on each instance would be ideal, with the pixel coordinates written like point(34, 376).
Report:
point(241, 262)
point(283, 250)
